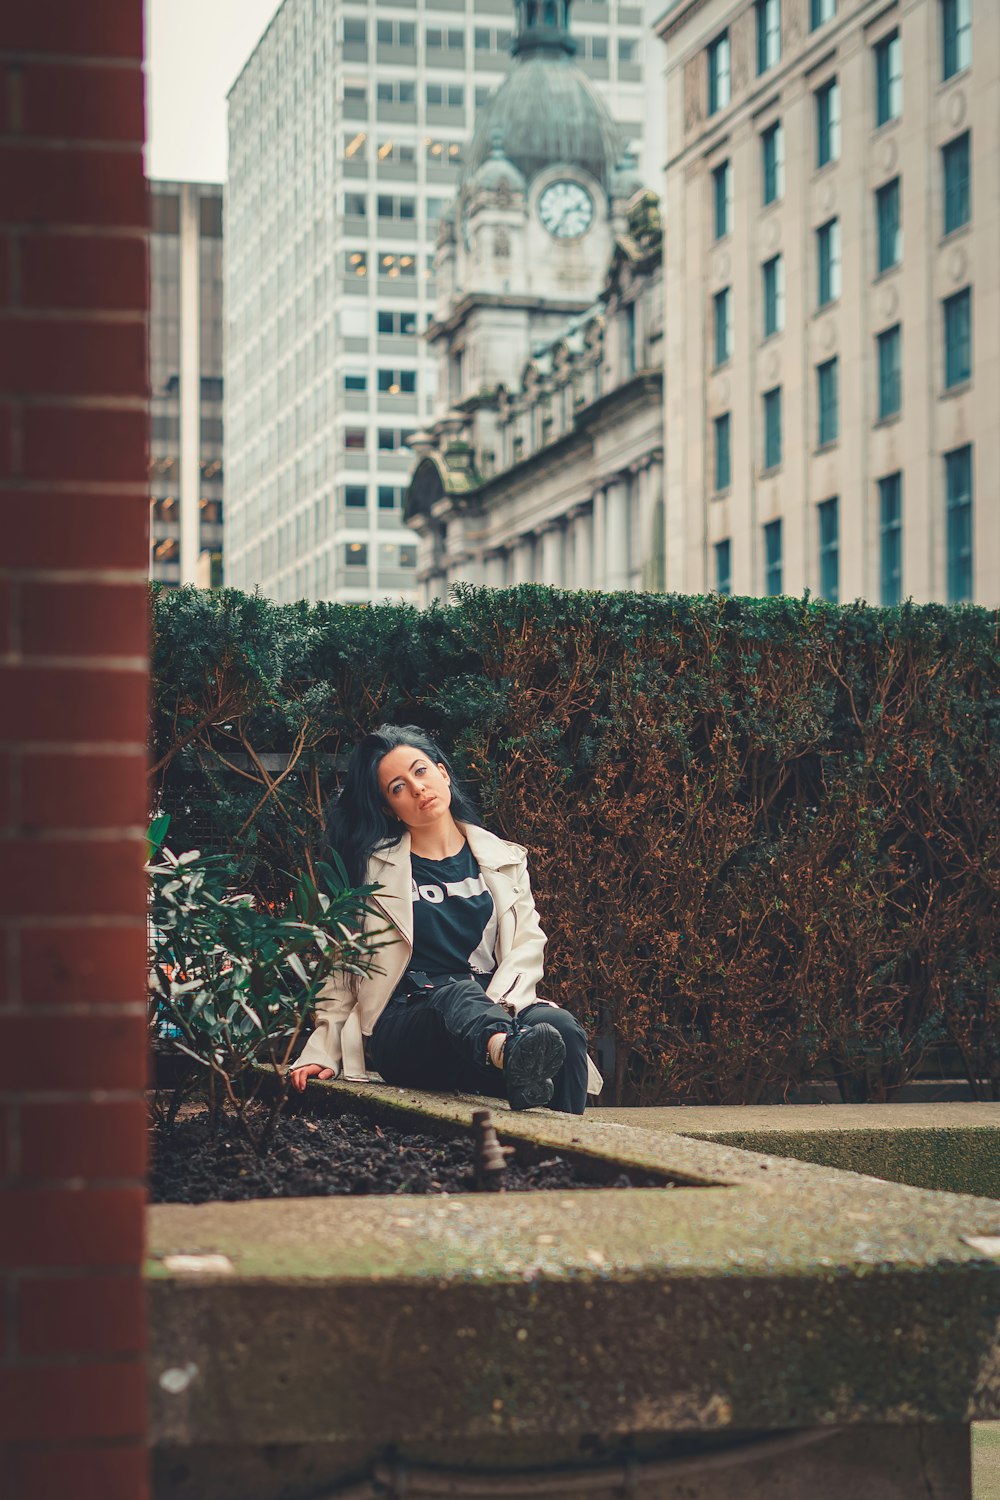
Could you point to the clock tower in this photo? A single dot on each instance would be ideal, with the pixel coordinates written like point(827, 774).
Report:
point(527, 241)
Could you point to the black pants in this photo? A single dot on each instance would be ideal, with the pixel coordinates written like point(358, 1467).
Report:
point(440, 1043)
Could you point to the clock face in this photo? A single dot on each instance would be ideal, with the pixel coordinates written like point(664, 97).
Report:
point(566, 209)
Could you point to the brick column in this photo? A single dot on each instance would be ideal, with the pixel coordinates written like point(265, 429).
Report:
point(73, 687)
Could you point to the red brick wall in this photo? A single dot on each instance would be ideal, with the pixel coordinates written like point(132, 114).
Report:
point(73, 556)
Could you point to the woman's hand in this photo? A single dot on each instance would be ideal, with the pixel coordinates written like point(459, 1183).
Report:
point(301, 1076)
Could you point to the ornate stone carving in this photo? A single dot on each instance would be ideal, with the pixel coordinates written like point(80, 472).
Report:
point(501, 243)
point(956, 108)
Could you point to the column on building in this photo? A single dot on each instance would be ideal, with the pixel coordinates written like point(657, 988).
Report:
point(524, 559)
point(616, 533)
point(495, 569)
point(551, 563)
point(581, 533)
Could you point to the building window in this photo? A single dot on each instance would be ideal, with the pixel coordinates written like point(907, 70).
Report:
point(594, 48)
point(400, 324)
point(768, 34)
point(890, 504)
point(957, 338)
point(392, 264)
point(956, 36)
point(392, 206)
point(356, 205)
point(444, 153)
point(821, 11)
point(772, 558)
point(450, 94)
point(445, 39)
point(723, 469)
point(397, 382)
point(356, 263)
point(355, 93)
point(396, 33)
point(828, 123)
point(828, 401)
point(354, 145)
point(722, 199)
point(355, 439)
point(628, 49)
point(355, 497)
point(890, 372)
point(773, 279)
point(389, 497)
point(395, 91)
point(355, 381)
point(772, 149)
point(955, 165)
point(828, 262)
point(718, 73)
point(888, 79)
point(356, 29)
point(397, 151)
point(958, 491)
point(772, 428)
point(492, 39)
point(356, 555)
point(723, 315)
point(391, 439)
point(723, 567)
point(889, 225)
point(829, 550)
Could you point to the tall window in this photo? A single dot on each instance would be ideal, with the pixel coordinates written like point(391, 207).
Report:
point(890, 504)
point(772, 152)
point(772, 558)
point(955, 170)
point(772, 428)
point(821, 11)
point(890, 372)
point(828, 262)
point(723, 462)
point(829, 550)
point(718, 73)
point(828, 123)
point(956, 36)
point(722, 199)
point(888, 79)
point(957, 338)
point(828, 401)
point(889, 225)
point(768, 34)
point(958, 493)
point(723, 314)
point(773, 288)
point(723, 567)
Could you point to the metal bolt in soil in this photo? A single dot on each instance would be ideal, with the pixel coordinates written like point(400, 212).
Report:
point(490, 1157)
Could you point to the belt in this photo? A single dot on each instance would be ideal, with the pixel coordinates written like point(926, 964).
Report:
point(416, 985)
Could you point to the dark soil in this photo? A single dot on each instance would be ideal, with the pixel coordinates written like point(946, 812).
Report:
point(321, 1156)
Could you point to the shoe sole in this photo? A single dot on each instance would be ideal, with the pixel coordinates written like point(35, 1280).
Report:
point(539, 1053)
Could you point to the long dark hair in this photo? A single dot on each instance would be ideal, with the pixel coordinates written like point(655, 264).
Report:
point(359, 821)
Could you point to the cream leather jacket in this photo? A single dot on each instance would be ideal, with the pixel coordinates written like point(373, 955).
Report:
point(344, 1018)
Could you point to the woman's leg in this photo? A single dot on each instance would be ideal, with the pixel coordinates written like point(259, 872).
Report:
point(570, 1094)
point(440, 1042)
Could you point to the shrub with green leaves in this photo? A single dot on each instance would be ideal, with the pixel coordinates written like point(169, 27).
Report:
point(762, 832)
point(232, 982)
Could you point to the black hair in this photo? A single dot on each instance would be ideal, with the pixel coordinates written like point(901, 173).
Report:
point(359, 820)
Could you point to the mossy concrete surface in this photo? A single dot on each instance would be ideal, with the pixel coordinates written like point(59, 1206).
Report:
point(776, 1295)
point(953, 1148)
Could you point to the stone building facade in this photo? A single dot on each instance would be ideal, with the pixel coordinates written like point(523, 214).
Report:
point(833, 298)
point(543, 462)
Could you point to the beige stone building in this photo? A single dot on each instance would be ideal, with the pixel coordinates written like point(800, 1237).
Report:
point(832, 313)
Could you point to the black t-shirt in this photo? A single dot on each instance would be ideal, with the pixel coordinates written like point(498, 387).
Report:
point(454, 918)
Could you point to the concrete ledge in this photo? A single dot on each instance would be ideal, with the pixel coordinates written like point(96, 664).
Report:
point(952, 1148)
point(780, 1295)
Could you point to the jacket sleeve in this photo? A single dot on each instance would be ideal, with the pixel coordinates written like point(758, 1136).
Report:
point(520, 969)
point(334, 1005)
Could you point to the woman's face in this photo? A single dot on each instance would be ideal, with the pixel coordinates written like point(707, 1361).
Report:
point(416, 790)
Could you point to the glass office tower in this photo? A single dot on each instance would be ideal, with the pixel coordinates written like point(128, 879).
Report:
point(346, 133)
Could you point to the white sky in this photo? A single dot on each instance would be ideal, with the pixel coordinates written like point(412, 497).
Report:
point(194, 51)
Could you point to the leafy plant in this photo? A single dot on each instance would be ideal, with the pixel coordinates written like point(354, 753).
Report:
point(232, 981)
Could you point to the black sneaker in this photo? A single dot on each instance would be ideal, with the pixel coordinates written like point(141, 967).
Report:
point(531, 1056)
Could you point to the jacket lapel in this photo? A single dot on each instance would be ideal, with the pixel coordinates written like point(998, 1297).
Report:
point(390, 869)
point(497, 860)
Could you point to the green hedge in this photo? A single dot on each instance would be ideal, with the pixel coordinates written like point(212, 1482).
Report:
point(763, 833)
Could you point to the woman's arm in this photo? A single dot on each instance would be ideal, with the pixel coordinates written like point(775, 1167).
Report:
point(323, 1053)
point(520, 969)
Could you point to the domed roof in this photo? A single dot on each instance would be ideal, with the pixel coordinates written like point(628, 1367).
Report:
point(497, 169)
point(546, 112)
